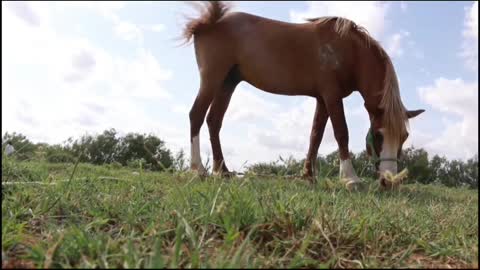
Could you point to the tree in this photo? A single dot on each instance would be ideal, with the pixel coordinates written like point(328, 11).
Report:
point(58, 154)
point(136, 146)
point(416, 161)
point(81, 148)
point(179, 163)
point(438, 167)
point(471, 177)
point(104, 147)
point(101, 149)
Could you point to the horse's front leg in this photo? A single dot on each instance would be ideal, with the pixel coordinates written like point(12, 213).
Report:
point(340, 129)
point(318, 127)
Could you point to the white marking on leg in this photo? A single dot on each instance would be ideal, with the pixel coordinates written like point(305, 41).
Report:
point(347, 172)
point(196, 159)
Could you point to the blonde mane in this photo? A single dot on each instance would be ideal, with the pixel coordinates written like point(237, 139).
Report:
point(395, 120)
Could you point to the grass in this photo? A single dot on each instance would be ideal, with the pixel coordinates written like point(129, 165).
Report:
point(106, 217)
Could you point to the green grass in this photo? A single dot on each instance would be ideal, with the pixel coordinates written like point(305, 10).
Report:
point(106, 217)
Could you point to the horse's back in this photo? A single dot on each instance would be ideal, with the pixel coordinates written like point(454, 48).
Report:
point(275, 56)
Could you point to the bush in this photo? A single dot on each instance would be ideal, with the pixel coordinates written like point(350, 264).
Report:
point(58, 154)
point(61, 158)
point(138, 163)
point(149, 152)
point(115, 165)
point(289, 166)
point(149, 148)
point(13, 171)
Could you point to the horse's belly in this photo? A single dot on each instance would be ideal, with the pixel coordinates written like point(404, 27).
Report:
point(277, 78)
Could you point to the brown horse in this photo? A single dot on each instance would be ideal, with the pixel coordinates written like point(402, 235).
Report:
point(326, 58)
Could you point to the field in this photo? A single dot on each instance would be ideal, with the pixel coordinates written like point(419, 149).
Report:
point(64, 216)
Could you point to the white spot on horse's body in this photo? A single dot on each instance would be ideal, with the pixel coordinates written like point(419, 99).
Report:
point(328, 57)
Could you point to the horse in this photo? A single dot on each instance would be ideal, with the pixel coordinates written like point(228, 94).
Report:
point(326, 58)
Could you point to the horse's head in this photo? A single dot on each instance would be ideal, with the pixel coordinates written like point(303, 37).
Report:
point(383, 149)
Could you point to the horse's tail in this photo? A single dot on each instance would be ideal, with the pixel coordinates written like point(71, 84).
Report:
point(212, 11)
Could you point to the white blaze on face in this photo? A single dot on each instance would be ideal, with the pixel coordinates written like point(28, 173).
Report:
point(347, 171)
point(196, 160)
point(389, 151)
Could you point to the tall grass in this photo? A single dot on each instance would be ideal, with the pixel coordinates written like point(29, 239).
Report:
point(109, 217)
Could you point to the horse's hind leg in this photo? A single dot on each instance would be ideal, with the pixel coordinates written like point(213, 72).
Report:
point(318, 127)
point(214, 122)
point(215, 61)
point(215, 118)
point(197, 116)
point(211, 84)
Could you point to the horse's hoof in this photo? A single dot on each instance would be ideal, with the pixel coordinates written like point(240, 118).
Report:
point(386, 185)
point(225, 174)
point(201, 172)
point(308, 177)
point(351, 184)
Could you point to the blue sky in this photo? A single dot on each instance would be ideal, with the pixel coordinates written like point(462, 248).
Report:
point(70, 68)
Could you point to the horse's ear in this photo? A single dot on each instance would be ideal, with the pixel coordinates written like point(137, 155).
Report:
point(411, 114)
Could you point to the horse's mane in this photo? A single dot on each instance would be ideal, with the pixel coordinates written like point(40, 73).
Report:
point(395, 118)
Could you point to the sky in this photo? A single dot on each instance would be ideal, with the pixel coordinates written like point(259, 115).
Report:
point(75, 68)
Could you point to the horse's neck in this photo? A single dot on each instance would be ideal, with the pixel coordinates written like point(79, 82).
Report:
point(371, 79)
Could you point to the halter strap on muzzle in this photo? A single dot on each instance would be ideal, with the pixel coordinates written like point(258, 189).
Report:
point(374, 157)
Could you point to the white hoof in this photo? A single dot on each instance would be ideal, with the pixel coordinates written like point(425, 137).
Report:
point(200, 170)
point(351, 183)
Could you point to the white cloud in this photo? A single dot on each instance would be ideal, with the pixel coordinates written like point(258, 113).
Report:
point(459, 99)
point(394, 44)
point(419, 54)
point(470, 34)
point(125, 30)
point(425, 71)
point(73, 86)
point(128, 31)
point(291, 132)
point(369, 14)
point(83, 64)
point(107, 9)
point(180, 108)
point(157, 27)
point(25, 12)
point(246, 105)
point(32, 13)
point(471, 21)
point(131, 32)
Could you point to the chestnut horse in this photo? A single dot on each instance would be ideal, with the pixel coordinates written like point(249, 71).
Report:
point(325, 58)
